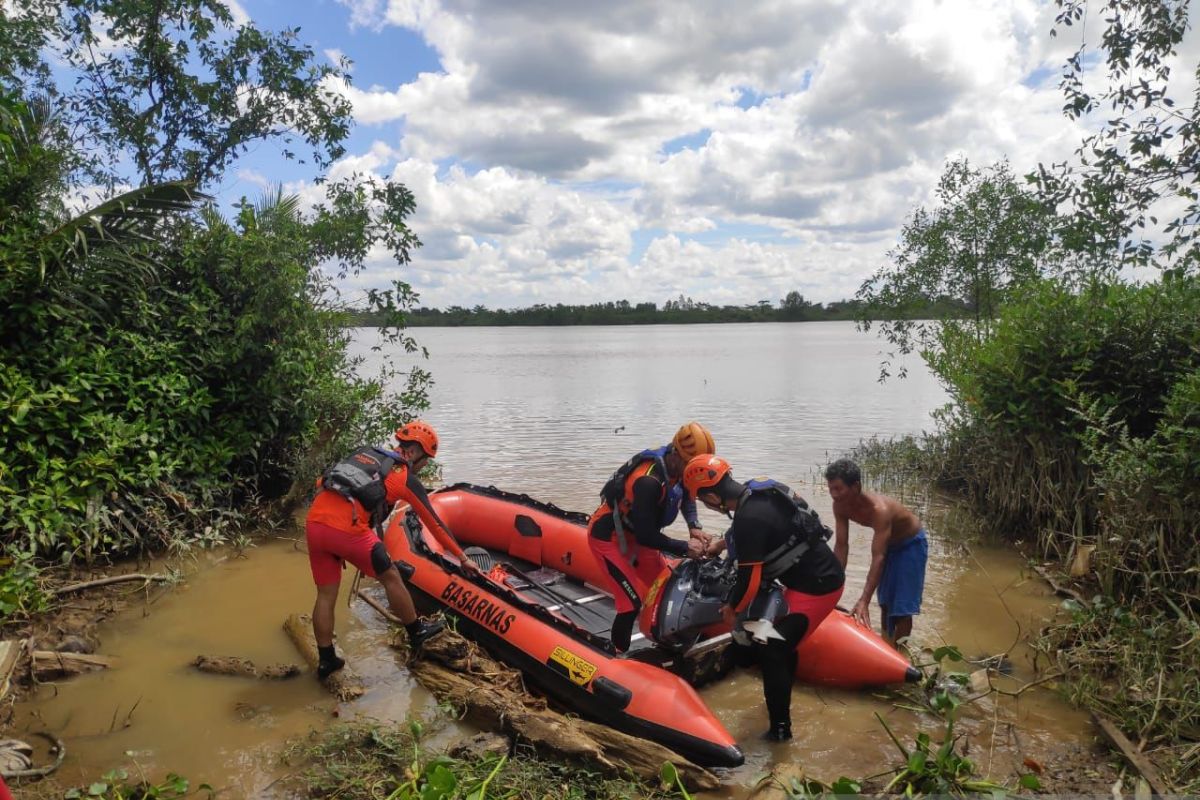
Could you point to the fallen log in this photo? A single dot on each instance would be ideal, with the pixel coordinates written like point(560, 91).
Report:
point(232, 665)
point(137, 576)
point(1137, 759)
point(344, 684)
point(49, 664)
point(456, 671)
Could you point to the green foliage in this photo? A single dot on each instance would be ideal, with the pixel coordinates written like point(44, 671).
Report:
point(360, 761)
point(986, 237)
point(1139, 665)
point(1075, 407)
point(1145, 148)
point(159, 372)
point(177, 90)
point(20, 590)
point(115, 785)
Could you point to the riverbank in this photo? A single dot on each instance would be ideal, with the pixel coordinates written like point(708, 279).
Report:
point(155, 714)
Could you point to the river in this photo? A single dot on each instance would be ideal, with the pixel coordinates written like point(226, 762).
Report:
point(551, 412)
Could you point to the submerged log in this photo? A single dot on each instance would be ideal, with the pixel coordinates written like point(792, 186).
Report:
point(79, 587)
point(232, 665)
point(456, 671)
point(49, 664)
point(344, 684)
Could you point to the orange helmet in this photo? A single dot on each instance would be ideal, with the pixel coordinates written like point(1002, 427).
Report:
point(692, 440)
point(704, 472)
point(420, 432)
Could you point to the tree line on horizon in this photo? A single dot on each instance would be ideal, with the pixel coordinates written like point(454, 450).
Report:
point(682, 310)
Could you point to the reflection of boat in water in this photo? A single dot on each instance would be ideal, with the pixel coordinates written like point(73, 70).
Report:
point(538, 609)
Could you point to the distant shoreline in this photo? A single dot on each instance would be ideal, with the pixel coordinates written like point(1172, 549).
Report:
point(624, 313)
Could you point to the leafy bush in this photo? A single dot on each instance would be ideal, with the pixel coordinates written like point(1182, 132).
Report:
point(159, 370)
point(1021, 440)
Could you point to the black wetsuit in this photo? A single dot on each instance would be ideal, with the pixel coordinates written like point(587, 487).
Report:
point(762, 523)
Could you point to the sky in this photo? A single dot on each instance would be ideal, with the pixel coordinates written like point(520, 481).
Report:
point(579, 152)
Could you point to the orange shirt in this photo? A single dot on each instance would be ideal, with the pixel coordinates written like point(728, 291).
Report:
point(338, 511)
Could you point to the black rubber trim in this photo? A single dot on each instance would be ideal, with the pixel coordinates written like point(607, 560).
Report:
point(615, 692)
point(913, 675)
point(524, 499)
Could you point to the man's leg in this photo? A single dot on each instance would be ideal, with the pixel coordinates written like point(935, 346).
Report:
point(885, 628)
point(323, 613)
point(901, 627)
point(399, 600)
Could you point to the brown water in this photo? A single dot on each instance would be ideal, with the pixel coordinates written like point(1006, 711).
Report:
point(535, 410)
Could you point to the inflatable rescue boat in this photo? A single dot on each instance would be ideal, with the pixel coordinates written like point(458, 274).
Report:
point(537, 607)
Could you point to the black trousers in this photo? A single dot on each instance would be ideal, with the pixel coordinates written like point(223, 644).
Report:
point(777, 660)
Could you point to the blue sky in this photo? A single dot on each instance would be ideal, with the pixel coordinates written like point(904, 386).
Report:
point(563, 151)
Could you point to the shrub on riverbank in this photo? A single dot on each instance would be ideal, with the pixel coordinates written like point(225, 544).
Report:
point(162, 370)
point(1076, 424)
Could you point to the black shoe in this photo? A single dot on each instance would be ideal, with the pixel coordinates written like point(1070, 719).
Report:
point(779, 732)
point(423, 630)
point(326, 667)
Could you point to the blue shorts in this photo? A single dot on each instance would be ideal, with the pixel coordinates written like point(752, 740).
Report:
point(903, 579)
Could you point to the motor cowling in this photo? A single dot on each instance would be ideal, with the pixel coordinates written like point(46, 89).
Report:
point(685, 601)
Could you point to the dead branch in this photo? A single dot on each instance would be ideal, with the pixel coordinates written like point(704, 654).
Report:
point(49, 664)
point(137, 576)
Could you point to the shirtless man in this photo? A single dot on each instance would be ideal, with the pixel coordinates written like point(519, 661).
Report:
point(899, 549)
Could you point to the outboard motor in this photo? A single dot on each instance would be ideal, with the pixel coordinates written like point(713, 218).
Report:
point(681, 606)
point(683, 602)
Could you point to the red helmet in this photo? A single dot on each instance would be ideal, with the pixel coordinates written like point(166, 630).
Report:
point(420, 432)
point(693, 439)
point(704, 472)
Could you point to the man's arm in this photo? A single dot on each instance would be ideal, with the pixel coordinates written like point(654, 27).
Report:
point(879, 544)
point(644, 518)
point(841, 540)
point(413, 493)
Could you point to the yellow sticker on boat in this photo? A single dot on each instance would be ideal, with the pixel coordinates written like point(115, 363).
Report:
point(579, 670)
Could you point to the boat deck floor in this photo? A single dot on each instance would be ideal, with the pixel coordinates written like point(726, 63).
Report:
point(587, 606)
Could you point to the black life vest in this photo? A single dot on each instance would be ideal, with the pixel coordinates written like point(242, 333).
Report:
point(614, 491)
point(807, 529)
point(360, 476)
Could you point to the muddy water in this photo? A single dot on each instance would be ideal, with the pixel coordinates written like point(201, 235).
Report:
point(551, 412)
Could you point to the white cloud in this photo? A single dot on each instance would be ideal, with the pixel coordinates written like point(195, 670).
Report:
point(804, 132)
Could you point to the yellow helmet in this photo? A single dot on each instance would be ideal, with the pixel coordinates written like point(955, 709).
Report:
point(692, 440)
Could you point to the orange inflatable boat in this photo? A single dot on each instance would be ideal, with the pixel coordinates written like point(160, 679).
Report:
point(538, 608)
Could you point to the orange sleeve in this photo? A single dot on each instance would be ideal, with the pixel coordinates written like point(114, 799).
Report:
point(409, 489)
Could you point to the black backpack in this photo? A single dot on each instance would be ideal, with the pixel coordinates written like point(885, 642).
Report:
point(360, 476)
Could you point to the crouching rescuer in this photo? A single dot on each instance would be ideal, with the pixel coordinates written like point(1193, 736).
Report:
point(345, 523)
point(774, 536)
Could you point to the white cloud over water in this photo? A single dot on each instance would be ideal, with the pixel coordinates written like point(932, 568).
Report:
point(577, 152)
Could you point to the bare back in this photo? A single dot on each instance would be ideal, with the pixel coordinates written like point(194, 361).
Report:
point(876, 511)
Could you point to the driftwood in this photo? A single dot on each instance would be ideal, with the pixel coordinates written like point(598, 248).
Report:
point(1059, 589)
point(49, 664)
point(10, 654)
point(137, 576)
point(344, 684)
point(1138, 759)
point(456, 671)
point(232, 665)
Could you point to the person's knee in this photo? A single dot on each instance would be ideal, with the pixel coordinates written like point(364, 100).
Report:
point(381, 560)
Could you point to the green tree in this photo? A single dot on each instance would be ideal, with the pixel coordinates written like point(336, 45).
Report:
point(986, 236)
point(1134, 182)
point(174, 90)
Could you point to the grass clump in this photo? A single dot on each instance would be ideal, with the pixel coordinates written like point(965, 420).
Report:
point(369, 761)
